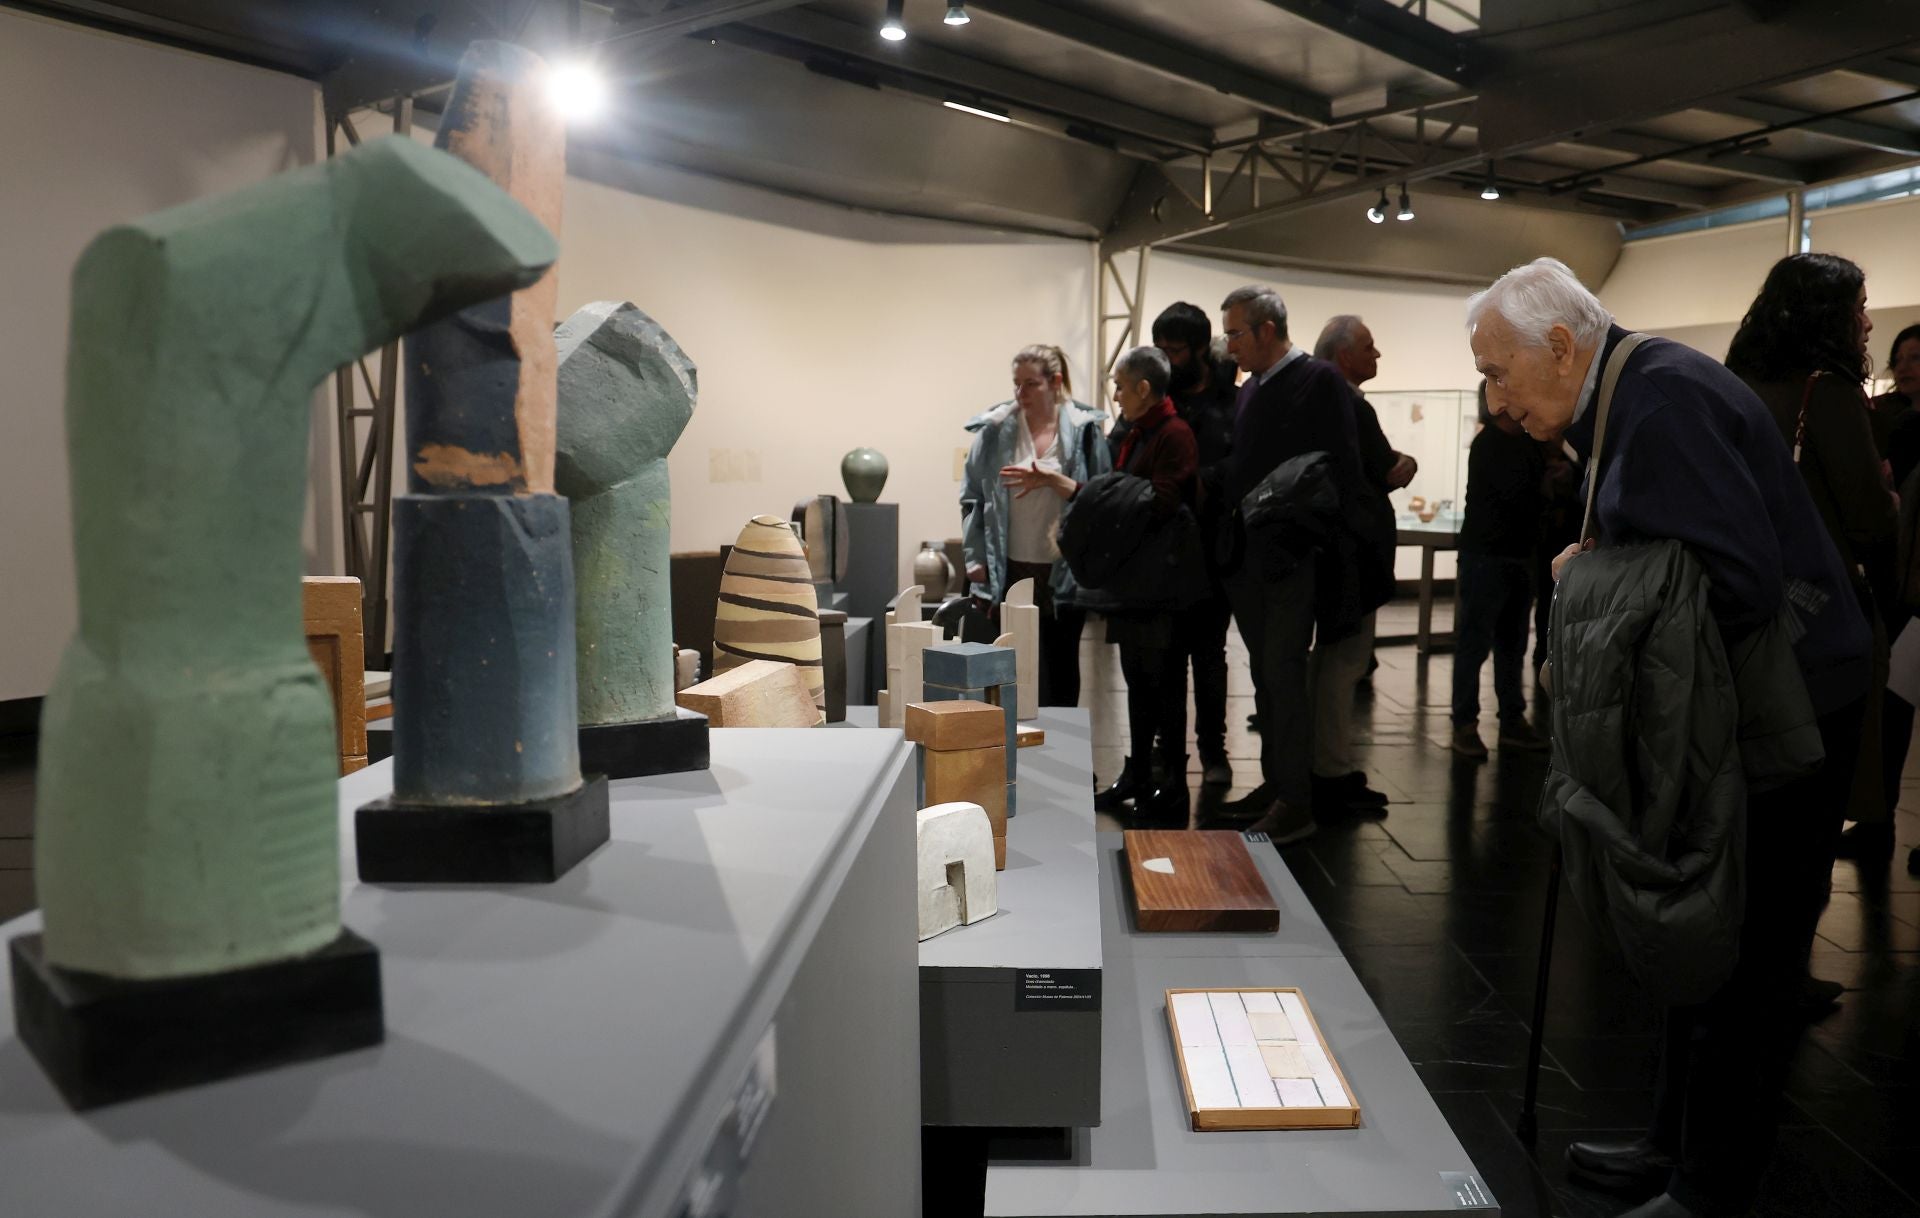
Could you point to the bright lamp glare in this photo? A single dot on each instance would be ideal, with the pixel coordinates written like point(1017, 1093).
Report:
point(578, 90)
point(956, 15)
point(964, 108)
point(1489, 192)
point(893, 31)
point(1375, 215)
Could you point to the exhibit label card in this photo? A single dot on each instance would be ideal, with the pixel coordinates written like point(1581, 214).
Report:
point(1061, 989)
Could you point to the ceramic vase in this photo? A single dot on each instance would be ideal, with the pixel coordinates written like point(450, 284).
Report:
point(931, 570)
point(767, 607)
point(864, 470)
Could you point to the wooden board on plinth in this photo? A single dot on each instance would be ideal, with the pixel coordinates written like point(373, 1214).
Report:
point(1197, 880)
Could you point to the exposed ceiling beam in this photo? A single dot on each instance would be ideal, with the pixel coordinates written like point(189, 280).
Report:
point(1391, 30)
point(1173, 60)
point(965, 74)
point(690, 18)
point(1554, 93)
point(1896, 71)
point(1847, 130)
point(1749, 165)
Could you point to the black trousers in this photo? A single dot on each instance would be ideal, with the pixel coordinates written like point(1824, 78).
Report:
point(1200, 638)
point(1060, 627)
point(1724, 1061)
point(1155, 672)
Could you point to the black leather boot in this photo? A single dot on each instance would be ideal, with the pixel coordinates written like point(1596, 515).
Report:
point(1133, 783)
point(1171, 798)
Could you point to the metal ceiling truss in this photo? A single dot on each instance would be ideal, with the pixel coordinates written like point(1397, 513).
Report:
point(365, 437)
point(1111, 286)
point(1271, 178)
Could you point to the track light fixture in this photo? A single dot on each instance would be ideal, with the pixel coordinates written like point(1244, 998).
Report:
point(1406, 204)
point(1378, 212)
point(893, 29)
point(956, 15)
point(1491, 190)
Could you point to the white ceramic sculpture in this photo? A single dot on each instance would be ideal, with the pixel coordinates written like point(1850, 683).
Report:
point(957, 883)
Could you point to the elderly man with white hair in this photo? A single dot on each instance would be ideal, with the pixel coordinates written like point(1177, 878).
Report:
point(1686, 452)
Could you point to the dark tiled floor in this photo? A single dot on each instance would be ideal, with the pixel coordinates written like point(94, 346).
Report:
point(1438, 907)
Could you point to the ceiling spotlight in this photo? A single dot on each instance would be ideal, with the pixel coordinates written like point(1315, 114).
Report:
point(1491, 190)
point(893, 29)
point(1406, 204)
point(1378, 212)
point(578, 90)
point(956, 15)
point(980, 109)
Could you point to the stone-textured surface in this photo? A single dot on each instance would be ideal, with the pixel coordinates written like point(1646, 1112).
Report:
point(767, 606)
point(627, 391)
point(480, 385)
point(483, 605)
point(954, 844)
point(481, 610)
point(1020, 617)
point(187, 757)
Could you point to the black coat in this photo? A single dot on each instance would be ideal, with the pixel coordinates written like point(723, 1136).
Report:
point(1125, 553)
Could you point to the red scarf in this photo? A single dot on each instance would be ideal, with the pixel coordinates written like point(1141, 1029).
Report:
point(1145, 423)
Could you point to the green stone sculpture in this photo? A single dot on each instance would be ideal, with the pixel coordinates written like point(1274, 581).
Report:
point(627, 391)
point(187, 820)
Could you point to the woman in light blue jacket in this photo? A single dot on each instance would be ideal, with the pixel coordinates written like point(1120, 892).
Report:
point(1029, 456)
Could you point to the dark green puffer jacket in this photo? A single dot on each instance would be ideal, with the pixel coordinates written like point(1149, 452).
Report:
point(1658, 736)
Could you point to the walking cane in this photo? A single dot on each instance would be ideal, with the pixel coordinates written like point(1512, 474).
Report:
point(1529, 1123)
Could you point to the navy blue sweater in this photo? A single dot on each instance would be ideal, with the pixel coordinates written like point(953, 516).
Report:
point(1691, 454)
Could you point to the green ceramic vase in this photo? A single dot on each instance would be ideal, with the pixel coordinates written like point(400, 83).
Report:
point(864, 470)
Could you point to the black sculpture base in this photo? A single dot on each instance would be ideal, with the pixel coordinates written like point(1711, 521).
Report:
point(671, 744)
point(103, 1040)
point(530, 843)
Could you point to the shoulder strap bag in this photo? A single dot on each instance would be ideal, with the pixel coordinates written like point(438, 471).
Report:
point(1609, 378)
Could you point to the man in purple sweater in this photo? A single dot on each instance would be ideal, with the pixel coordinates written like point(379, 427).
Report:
point(1690, 454)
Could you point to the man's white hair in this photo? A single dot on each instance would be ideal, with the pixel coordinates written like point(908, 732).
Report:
point(1538, 296)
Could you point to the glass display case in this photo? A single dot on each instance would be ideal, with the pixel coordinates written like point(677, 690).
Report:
point(1434, 427)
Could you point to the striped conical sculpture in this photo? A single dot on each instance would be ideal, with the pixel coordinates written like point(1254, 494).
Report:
point(767, 608)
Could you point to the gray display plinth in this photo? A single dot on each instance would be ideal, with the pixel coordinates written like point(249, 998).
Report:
point(573, 1049)
point(1010, 1008)
point(873, 579)
point(1144, 1159)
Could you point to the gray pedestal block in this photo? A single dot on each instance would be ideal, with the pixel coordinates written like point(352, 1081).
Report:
point(1011, 1007)
point(873, 579)
point(1144, 1159)
point(572, 1049)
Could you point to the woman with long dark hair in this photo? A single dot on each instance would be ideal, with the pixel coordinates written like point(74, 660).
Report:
point(1803, 349)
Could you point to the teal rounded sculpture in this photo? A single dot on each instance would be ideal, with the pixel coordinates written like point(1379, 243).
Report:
point(864, 470)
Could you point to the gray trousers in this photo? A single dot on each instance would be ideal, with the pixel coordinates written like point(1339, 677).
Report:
point(1276, 620)
point(1335, 669)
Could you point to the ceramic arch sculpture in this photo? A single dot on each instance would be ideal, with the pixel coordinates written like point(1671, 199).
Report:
point(627, 391)
point(188, 830)
point(486, 761)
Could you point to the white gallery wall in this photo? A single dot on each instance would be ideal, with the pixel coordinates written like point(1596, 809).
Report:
point(1695, 287)
point(96, 130)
